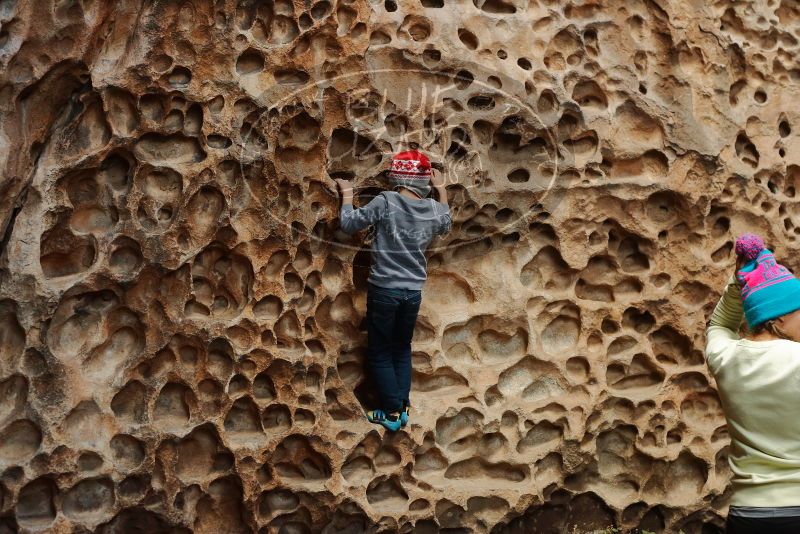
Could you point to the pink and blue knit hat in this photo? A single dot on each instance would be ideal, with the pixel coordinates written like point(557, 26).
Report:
point(769, 290)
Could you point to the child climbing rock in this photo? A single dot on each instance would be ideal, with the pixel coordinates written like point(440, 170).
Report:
point(758, 379)
point(405, 223)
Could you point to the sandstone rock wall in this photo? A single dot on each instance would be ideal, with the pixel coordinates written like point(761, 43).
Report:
point(180, 346)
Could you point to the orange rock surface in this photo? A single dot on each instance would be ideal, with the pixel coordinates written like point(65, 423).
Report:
point(180, 340)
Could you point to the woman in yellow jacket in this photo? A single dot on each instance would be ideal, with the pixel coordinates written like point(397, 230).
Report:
point(758, 378)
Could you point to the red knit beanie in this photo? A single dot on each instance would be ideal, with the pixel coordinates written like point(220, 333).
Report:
point(411, 169)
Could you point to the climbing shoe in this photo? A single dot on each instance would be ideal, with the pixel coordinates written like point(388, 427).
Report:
point(404, 415)
point(389, 421)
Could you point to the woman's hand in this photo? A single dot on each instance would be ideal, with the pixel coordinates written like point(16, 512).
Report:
point(740, 261)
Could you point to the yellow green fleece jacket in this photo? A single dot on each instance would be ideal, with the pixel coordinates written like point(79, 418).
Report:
point(759, 385)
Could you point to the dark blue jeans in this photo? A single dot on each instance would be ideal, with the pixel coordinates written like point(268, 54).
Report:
point(391, 316)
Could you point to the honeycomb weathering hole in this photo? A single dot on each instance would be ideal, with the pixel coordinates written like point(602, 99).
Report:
point(182, 345)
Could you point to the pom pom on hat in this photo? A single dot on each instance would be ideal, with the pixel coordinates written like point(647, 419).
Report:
point(749, 246)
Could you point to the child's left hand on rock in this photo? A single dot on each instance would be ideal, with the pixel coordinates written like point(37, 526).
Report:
point(345, 186)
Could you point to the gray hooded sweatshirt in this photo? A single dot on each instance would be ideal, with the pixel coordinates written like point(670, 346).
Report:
point(404, 228)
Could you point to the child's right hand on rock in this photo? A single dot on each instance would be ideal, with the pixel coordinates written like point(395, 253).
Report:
point(437, 178)
point(438, 183)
